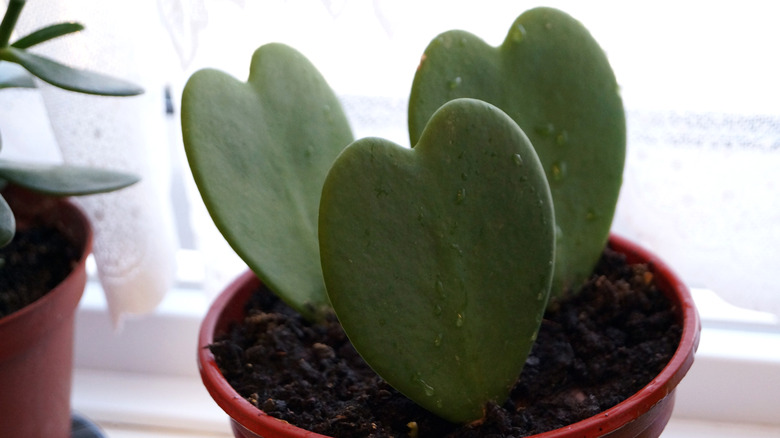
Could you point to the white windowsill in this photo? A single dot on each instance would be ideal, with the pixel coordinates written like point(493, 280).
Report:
point(133, 387)
point(139, 406)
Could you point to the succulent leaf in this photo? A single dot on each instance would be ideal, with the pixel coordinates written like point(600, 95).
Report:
point(259, 152)
point(47, 33)
point(69, 78)
point(554, 80)
point(64, 180)
point(7, 223)
point(438, 259)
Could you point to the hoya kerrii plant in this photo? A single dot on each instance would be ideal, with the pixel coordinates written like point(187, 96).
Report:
point(17, 68)
point(438, 259)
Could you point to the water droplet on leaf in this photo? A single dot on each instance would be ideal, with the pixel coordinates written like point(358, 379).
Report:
point(440, 289)
point(518, 33)
point(562, 138)
point(558, 232)
point(455, 83)
point(546, 129)
point(558, 171)
point(460, 196)
point(518, 159)
point(457, 249)
point(429, 390)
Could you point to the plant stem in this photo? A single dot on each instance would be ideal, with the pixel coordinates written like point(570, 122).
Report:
point(9, 20)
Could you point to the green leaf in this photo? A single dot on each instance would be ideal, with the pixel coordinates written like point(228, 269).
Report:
point(68, 78)
point(47, 33)
point(259, 152)
point(7, 223)
point(64, 180)
point(438, 259)
point(14, 76)
point(554, 80)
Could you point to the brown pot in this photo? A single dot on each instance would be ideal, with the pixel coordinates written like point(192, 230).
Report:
point(36, 342)
point(645, 414)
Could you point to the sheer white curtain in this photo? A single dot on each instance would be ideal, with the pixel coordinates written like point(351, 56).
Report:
point(698, 81)
point(701, 186)
point(134, 247)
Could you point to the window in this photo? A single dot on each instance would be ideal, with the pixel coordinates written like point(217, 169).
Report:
point(700, 187)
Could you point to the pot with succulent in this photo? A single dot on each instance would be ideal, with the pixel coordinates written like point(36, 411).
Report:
point(453, 267)
point(44, 243)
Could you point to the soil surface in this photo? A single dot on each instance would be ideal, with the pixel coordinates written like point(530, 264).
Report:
point(35, 261)
point(592, 352)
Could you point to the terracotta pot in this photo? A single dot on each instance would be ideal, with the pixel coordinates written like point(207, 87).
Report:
point(645, 414)
point(36, 342)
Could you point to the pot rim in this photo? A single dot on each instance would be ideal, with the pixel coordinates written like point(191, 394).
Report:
point(663, 385)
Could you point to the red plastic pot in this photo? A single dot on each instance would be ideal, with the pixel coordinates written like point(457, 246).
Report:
point(645, 414)
point(36, 342)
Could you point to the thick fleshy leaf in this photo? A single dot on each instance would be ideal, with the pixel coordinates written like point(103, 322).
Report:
point(7, 222)
point(554, 80)
point(47, 33)
point(259, 152)
point(438, 259)
point(64, 180)
point(69, 78)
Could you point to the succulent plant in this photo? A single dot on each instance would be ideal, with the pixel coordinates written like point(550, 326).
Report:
point(438, 259)
point(17, 68)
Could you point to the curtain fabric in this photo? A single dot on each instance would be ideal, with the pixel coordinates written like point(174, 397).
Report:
point(700, 184)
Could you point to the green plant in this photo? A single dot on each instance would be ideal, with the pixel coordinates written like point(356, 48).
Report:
point(438, 260)
point(554, 80)
point(17, 68)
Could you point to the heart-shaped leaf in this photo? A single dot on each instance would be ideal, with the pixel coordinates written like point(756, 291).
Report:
point(438, 259)
point(259, 152)
point(554, 80)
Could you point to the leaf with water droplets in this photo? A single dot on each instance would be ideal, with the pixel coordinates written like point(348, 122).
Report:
point(554, 80)
point(456, 287)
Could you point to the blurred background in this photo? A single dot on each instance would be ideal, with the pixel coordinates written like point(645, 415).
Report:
point(699, 82)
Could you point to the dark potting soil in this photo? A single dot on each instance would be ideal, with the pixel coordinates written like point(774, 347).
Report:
point(35, 261)
point(592, 352)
